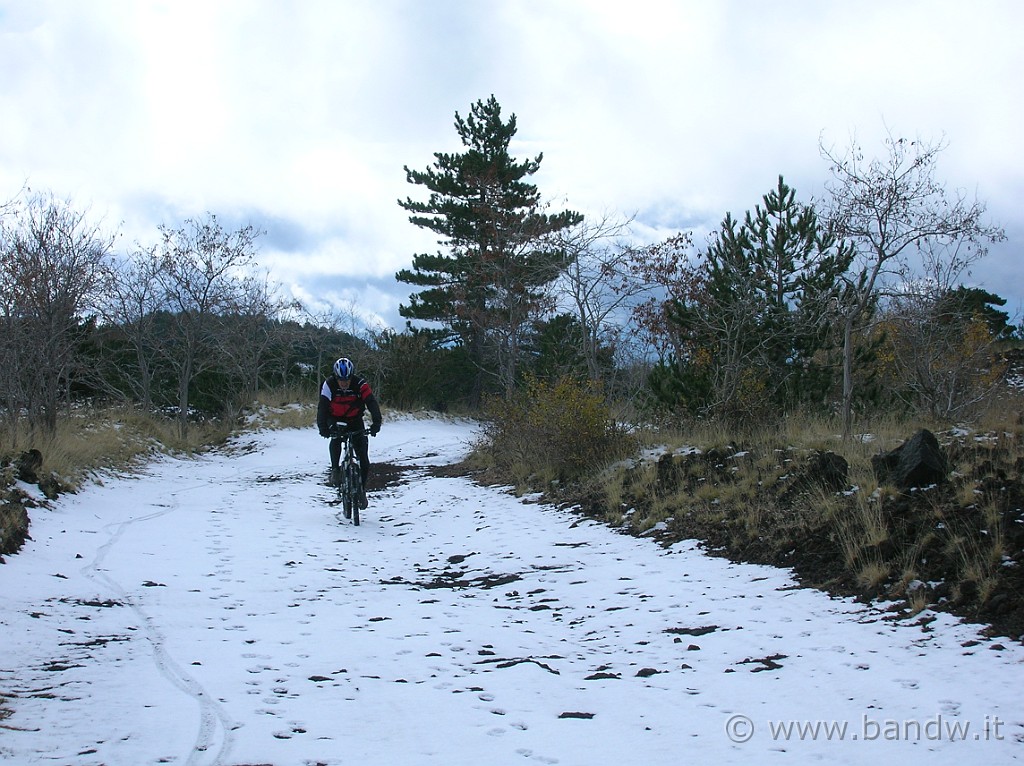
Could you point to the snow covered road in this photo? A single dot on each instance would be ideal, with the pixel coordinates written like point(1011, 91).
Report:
point(216, 612)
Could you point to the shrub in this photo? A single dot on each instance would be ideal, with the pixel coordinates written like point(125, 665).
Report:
point(550, 431)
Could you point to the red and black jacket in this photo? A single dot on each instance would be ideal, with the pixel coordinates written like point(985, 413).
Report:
point(347, 405)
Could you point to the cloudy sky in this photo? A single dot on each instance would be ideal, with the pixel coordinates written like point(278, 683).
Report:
point(298, 116)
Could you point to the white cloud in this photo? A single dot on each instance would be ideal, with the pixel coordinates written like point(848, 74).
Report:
point(304, 113)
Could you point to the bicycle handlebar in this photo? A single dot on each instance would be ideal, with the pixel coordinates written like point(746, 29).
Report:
point(336, 431)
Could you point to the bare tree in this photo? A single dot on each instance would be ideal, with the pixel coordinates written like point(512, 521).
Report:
point(599, 284)
point(216, 304)
point(12, 328)
point(251, 343)
point(201, 275)
point(330, 325)
point(53, 264)
point(669, 275)
point(892, 209)
point(130, 307)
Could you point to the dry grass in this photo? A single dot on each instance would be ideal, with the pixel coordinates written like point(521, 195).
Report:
point(88, 440)
point(873, 574)
point(862, 527)
point(293, 407)
point(917, 600)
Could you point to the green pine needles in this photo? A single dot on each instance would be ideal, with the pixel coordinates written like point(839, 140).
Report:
point(487, 284)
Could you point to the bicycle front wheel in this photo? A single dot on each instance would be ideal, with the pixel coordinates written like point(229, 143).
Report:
point(345, 491)
point(353, 482)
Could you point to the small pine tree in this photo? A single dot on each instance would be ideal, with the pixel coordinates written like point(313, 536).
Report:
point(761, 310)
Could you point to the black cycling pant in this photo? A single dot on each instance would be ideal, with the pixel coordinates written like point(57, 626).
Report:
point(361, 444)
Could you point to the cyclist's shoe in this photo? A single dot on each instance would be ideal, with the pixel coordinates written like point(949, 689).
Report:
point(362, 499)
point(335, 476)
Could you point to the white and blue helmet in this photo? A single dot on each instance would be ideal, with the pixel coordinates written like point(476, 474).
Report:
point(344, 368)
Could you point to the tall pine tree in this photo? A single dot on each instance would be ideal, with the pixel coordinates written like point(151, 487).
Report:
point(488, 283)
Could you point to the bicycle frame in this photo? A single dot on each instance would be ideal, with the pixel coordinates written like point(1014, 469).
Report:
point(351, 475)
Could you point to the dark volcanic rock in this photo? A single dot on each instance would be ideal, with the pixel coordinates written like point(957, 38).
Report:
point(823, 470)
point(28, 465)
point(918, 462)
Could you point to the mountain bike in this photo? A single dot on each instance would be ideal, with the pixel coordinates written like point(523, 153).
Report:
point(350, 481)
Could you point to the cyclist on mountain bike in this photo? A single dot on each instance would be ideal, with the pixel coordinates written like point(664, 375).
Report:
point(344, 397)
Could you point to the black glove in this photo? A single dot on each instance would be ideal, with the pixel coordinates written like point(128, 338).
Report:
point(324, 433)
point(375, 429)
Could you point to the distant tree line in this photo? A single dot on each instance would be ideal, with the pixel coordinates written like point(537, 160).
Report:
point(853, 303)
point(850, 303)
point(189, 325)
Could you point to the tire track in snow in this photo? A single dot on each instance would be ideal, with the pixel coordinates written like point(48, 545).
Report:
point(214, 724)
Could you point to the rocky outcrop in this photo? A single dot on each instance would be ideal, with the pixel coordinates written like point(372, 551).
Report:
point(918, 462)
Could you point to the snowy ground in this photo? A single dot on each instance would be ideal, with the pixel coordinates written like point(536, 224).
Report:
point(216, 611)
